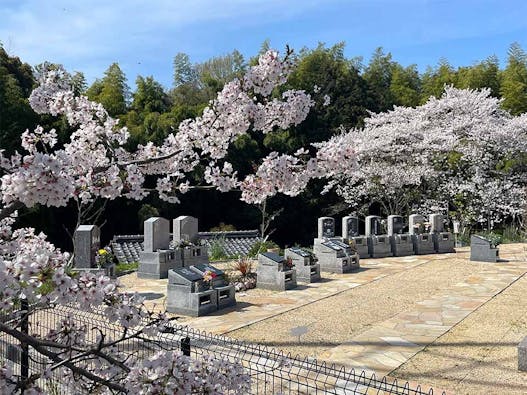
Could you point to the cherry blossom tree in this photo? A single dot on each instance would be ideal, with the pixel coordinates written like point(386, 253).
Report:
point(95, 164)
point(462, 149)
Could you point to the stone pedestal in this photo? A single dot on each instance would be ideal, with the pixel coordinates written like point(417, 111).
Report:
point(334, 256)
point(423, 244)
point(360, 244)
point(226, 294)
point(483, 250)
point(443, 242)
point(188, 294)
point(272, 273)
point(379, 246)
point(155, 265)
point(307, 270)
point(402, 245)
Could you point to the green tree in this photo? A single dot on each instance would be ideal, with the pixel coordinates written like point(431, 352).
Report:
point(16, 83)
point(111, 91)
point(481, 75)
point(434, 80)
point(405, 86)
point(378, 75)
point(514, 81)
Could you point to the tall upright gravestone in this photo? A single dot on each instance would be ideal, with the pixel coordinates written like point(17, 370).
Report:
point(86, 241)
point(350, 234)
point(185, 229)
point(156, 258)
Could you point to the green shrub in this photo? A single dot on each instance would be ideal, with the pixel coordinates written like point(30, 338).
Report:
point(125, 267)
point(262, 246)
point(217, 249)
point(513, 234)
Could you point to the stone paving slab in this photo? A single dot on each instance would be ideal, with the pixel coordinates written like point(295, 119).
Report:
point(388, 344)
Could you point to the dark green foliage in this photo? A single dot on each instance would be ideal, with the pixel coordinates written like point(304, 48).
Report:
point(152, 112)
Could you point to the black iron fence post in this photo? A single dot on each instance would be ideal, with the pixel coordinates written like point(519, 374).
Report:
point(24, 327)
point(185, 346)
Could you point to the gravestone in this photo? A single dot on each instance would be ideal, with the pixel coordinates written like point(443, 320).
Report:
point(326, 227)
point(273, 273)
point(307, 269)
point(423, 241)
point(157, 234)
point(335, 256)
point(185, 229)
point(157, 258)
point(482, 250)
point(185, 235)
point(378, 242)
point(401, 243)
point(188, 294)
point(87, 241)
point(443, 241)
point(226, 293)
point(350, 235)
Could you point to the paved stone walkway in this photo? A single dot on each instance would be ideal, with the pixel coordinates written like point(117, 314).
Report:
point(389, 344)
point(386, 345)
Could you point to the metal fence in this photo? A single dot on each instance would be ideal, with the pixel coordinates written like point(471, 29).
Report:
point(272, 371)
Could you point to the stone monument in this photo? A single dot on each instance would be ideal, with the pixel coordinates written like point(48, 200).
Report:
point(157, 258)
point(482, 250)
point(378, 241)
point(401, 243)
point(188, 294)
point(350, 235)
point(273, 273)
point(443, 241)
point(307, 269)
point(422, 240)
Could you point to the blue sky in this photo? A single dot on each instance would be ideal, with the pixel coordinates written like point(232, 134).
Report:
point(144, 36)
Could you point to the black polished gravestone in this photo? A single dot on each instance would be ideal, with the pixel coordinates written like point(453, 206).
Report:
point(401, 243)
point(188, 294)
point(307, 269)
point(226, 292)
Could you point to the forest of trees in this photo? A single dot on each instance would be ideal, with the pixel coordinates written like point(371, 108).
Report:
point(151, 111)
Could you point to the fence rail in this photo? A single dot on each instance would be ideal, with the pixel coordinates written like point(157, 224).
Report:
point(272, 371)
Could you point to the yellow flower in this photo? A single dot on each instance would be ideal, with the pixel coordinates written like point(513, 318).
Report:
point(103, 252)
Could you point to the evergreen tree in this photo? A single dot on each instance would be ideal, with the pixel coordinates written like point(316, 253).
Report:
point(514, 81)
point(111, 91)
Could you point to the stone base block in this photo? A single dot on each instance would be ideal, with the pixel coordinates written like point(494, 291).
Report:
point(181, 301)
point(226, 296)
point(155, 265)
point(401, 246)
point(484, 254)
point(423, 244)
point(267, 278)
point(308, 274)
point(361, 244)
point(379, 247)
point(331, 264)
point(443, 242)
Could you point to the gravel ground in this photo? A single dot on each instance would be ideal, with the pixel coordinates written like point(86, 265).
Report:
point(479, 355)
point(358, 309)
